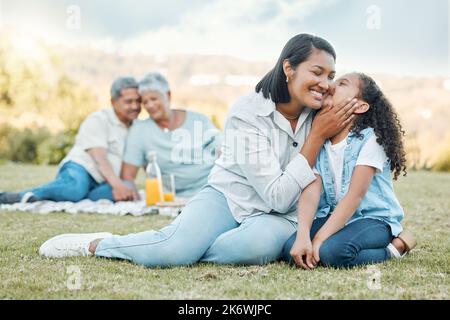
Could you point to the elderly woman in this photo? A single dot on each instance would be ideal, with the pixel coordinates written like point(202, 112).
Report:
point(186, 142)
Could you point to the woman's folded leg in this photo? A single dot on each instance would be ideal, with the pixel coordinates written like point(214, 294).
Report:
point(258, 240)
point(182, 242)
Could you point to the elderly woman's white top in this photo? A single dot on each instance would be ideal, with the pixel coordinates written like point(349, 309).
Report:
point(261, 169)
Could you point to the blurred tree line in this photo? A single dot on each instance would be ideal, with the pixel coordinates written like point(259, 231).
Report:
point(41, 107)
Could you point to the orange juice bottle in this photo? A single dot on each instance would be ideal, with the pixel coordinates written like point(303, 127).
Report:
point(153, 183)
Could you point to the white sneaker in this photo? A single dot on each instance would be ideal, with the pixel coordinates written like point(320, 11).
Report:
point(70, 245)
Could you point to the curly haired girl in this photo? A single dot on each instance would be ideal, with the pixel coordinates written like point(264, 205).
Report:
point(351, 212)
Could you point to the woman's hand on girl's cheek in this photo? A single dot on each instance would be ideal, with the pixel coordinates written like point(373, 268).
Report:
point(331, 120)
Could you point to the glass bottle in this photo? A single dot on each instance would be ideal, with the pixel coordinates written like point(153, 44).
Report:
point(153, 182)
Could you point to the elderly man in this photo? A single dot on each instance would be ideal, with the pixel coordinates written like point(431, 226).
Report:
point(91, 170)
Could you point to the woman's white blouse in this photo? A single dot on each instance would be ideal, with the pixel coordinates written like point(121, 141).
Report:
point(260, 169)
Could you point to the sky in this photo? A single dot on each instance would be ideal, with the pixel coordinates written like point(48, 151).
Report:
point(407, 37)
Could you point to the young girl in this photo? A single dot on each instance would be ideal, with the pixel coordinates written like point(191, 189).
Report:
point(355, 211)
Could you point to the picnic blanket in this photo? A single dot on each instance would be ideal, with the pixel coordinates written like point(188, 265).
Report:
point(121, 208)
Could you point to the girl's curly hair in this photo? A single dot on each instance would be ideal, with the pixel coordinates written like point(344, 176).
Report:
point(385, 122)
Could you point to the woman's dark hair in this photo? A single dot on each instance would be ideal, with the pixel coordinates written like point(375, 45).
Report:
point(297, 50)
point(382, 117)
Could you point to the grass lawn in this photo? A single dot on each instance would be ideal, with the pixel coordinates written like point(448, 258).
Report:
point(424, 274)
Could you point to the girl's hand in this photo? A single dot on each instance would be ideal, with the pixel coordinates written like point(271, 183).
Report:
point(316, 244)
point(302, 251)
point(332, 119)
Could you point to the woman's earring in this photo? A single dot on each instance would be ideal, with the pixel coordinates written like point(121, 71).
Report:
point(287, 79)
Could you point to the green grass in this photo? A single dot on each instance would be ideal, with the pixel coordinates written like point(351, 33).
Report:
point(424, 274)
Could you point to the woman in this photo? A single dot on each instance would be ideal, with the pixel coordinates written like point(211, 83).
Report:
point(248, 209)
point(186, 143)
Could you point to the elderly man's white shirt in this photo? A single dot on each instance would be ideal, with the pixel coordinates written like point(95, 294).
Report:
point(101, 129)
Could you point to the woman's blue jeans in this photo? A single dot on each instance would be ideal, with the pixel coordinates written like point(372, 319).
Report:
point(204, 231)
point(361, 242)
point(72, 183)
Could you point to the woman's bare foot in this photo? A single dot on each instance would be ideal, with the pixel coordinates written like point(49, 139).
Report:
point(93, 245)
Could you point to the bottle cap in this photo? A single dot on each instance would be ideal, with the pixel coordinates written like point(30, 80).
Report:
point(151, 155)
